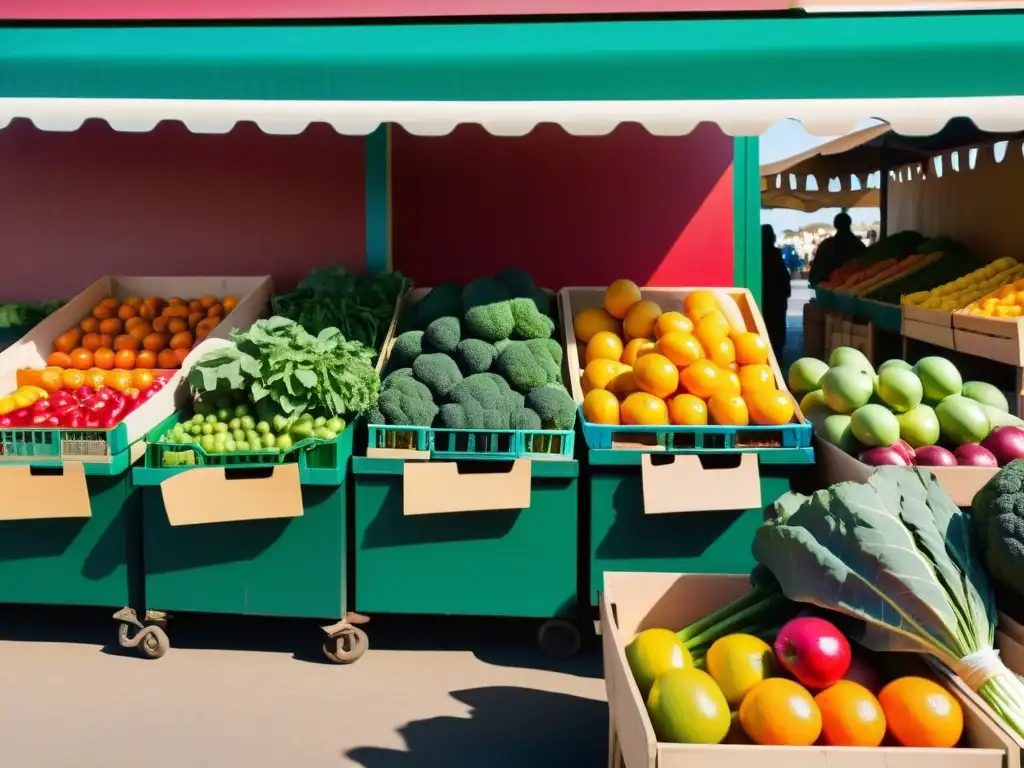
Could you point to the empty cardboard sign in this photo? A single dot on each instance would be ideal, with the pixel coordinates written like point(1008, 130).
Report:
point(44, 496)
point(437, 487)
point(206, 495)
point(684, 485)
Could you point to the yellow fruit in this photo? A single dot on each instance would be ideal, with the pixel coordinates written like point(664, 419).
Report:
point(640, 320)
point(703, 379)
point(620, 297)
point(7, 405)
point(732, 385)
point(654, 652)
point(723, 354)
point(600, 373)
point(601, 407)
point(728, 410)
point(756, 377)
point(712, 328)
point(750, 348)
point(672, 321)
point(688, 410)
point(656, 375)
point(636, 348)
point(623, 384)
point(641, 408)
point(698, 304)
point(591, 320)
point(738, 663)
point(686, 707)
point(604, 345)
point(681, 348)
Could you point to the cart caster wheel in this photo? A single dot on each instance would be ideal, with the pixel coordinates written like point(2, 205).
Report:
point(346, 647)
point(559, 638)
point(152, 642)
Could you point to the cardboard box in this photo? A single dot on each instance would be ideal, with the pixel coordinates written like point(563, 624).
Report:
point(961, 483)
point(633, 602)
point(930, 325)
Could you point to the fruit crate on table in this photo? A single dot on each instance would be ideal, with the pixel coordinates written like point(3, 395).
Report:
point(41, 446)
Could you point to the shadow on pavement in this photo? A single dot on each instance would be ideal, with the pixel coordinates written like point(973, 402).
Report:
point(501, 642)
point(507, 728)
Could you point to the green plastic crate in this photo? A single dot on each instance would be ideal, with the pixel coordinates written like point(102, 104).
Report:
point(292, 566)
point(83, 561)
point(58, 445)
point(513, 562)
point(475, 444)
point(623, 538)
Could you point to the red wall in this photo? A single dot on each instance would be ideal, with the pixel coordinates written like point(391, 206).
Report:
point(571, 210)
point(75, 206)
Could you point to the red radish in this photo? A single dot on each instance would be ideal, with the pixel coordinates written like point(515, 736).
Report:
point(935, 456)
point(6, 422)
point(1005, 443)
point(974, 455)
point(882, 457)
point(813, 650)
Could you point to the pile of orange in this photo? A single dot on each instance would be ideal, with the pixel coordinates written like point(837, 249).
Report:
point(139, 333)
point(53, 379)
point(692, 365)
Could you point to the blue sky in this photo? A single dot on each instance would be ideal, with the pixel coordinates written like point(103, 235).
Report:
point(784, 139)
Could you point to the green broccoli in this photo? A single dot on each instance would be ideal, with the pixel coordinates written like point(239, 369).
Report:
point(530, 323)
point(407, 348)
point(554, 405)
point(516, 399)
point(520, 285)
point(527, 365)
point(406, 402)
point(478, 402)
point(442, 301)
point(474, 356)
point(525, 418)
point(443, 335)
point(438, 371)
point(397, 373)
point(998, 511)
point(487, 310)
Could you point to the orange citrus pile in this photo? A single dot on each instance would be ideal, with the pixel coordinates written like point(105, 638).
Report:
point(692, 365)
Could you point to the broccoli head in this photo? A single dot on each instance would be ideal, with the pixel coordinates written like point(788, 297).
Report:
point(998, 512)
point(527, 365)
point(474, 356)
point(397, 373)
point(443, 334)
point(525, 418)
point(443, 301)
point(438, 371)
point(520, 285)
point(554, 405)
point(487, 310)
point(478, 402)
point(530, 322)
point(406, 402)
point(408, 346)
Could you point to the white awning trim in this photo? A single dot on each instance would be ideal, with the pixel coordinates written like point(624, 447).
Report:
point(584, 118)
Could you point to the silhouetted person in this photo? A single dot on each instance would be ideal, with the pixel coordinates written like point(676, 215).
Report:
point(872, 237)
point(775, 289)
point(835, 251)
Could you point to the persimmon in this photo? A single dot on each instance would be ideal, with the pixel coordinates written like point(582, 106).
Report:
point(230, 302)
point(68, 340)
point(161, 324)
point(104, 359)
point(103, 312)
point(134, 322)
point(208, 301)
point(177, 325)
point(127, 312)
point(145, 359)
point(195, 319)
point(168, 360)
point(181, 340)
point(112, 326)
point(106, 341)
point(91, 341)
point(126, 342)
point(124, 359)
point(217, 310)
point(90, 325)
point(134, 301)
point(81, 359)
point(196, 306)
point(140, 332)
point(111, 302)
point(176, 310)
point(156, 342)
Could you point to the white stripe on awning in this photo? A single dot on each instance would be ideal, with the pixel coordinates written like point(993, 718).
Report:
point(910, 117)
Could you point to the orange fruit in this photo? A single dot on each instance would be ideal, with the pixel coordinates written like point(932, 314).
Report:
point(113, 326)
point(780, 712)
point(125, 341)
point(600, 373)
point(623, 384)
point(722, 353)
point(68, 341)
point(127, 312)
point(850, 716)
point(145, 359)
point(731, 384)
point(168, 360)
point(641, 408)
point(636, 348)
point(921, 713)
point(51, 379)
point(177, 325)
point(586, 323)
point(95, 378)
point(72, 378)
point(106, 341)
point(601, 407)
point(196, 318)
point(712, 328)
point(103, 312)
point(688, 410)
point(672, 321)
point(124, 359)
point(155, 342)
point(91, 341)
point(702, 378)
point(133, 301)
point(604, 345)
point(640, 320)
point(728, 410)
point(104, 358)
point(118, 381)
point(656, 375)
point(90, 325)
point(111, 301)
point(140, 330)
point(756, 377)
point(680, 347)
point(619, 298)
point(142, 379)
point(217, 310)
point(229, 303)
point(183, 340)
point(751, 349)
point(59, 360)
point(81, 359)
point(769, 407)
point(698, 304)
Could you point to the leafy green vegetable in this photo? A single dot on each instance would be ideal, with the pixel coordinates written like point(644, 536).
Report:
point(281, 363)
point(360, 306)
point(17, 314)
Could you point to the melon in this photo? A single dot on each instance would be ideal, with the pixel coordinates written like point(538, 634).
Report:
point(939, 378)
point(847, 387)
point(983, 392)
point(919, 426)
point(962, 420)
point(850, 356)
point(875, 425)
point(805, 375)
point(900, 389)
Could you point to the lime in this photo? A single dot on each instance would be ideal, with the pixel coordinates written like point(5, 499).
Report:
point(220, 427)
point(211, 419)
point(207, 429)
point(248, 422)
point(263, 428)
point(206, 443)
point(241, 411)
point(243, 446)
point(234, 424)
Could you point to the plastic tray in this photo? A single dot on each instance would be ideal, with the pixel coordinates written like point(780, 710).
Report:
point(888, 317)
point(320, 461)
point(482, 444)
point(846, 303)
point(825, 299)
point(42, 446)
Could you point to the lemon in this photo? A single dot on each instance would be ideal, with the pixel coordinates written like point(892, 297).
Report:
point(738, 663)
point(653, 653)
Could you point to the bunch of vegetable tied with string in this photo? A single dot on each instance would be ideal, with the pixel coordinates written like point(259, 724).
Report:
point(898, 563)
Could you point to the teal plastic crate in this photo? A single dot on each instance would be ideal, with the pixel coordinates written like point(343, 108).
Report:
point(846, 303)
point(826, 299)
point(39, 446)
point(475, 444)
point(888, 317)
point(321, 462)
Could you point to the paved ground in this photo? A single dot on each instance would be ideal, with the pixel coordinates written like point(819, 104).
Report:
point(427, 694)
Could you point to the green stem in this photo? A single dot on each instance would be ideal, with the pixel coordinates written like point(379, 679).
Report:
point(764, 609)
point(753, 597)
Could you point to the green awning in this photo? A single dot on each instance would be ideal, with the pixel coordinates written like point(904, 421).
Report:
point(912, 71)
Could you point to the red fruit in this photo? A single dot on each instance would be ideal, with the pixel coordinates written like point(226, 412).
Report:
point(813, 651)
